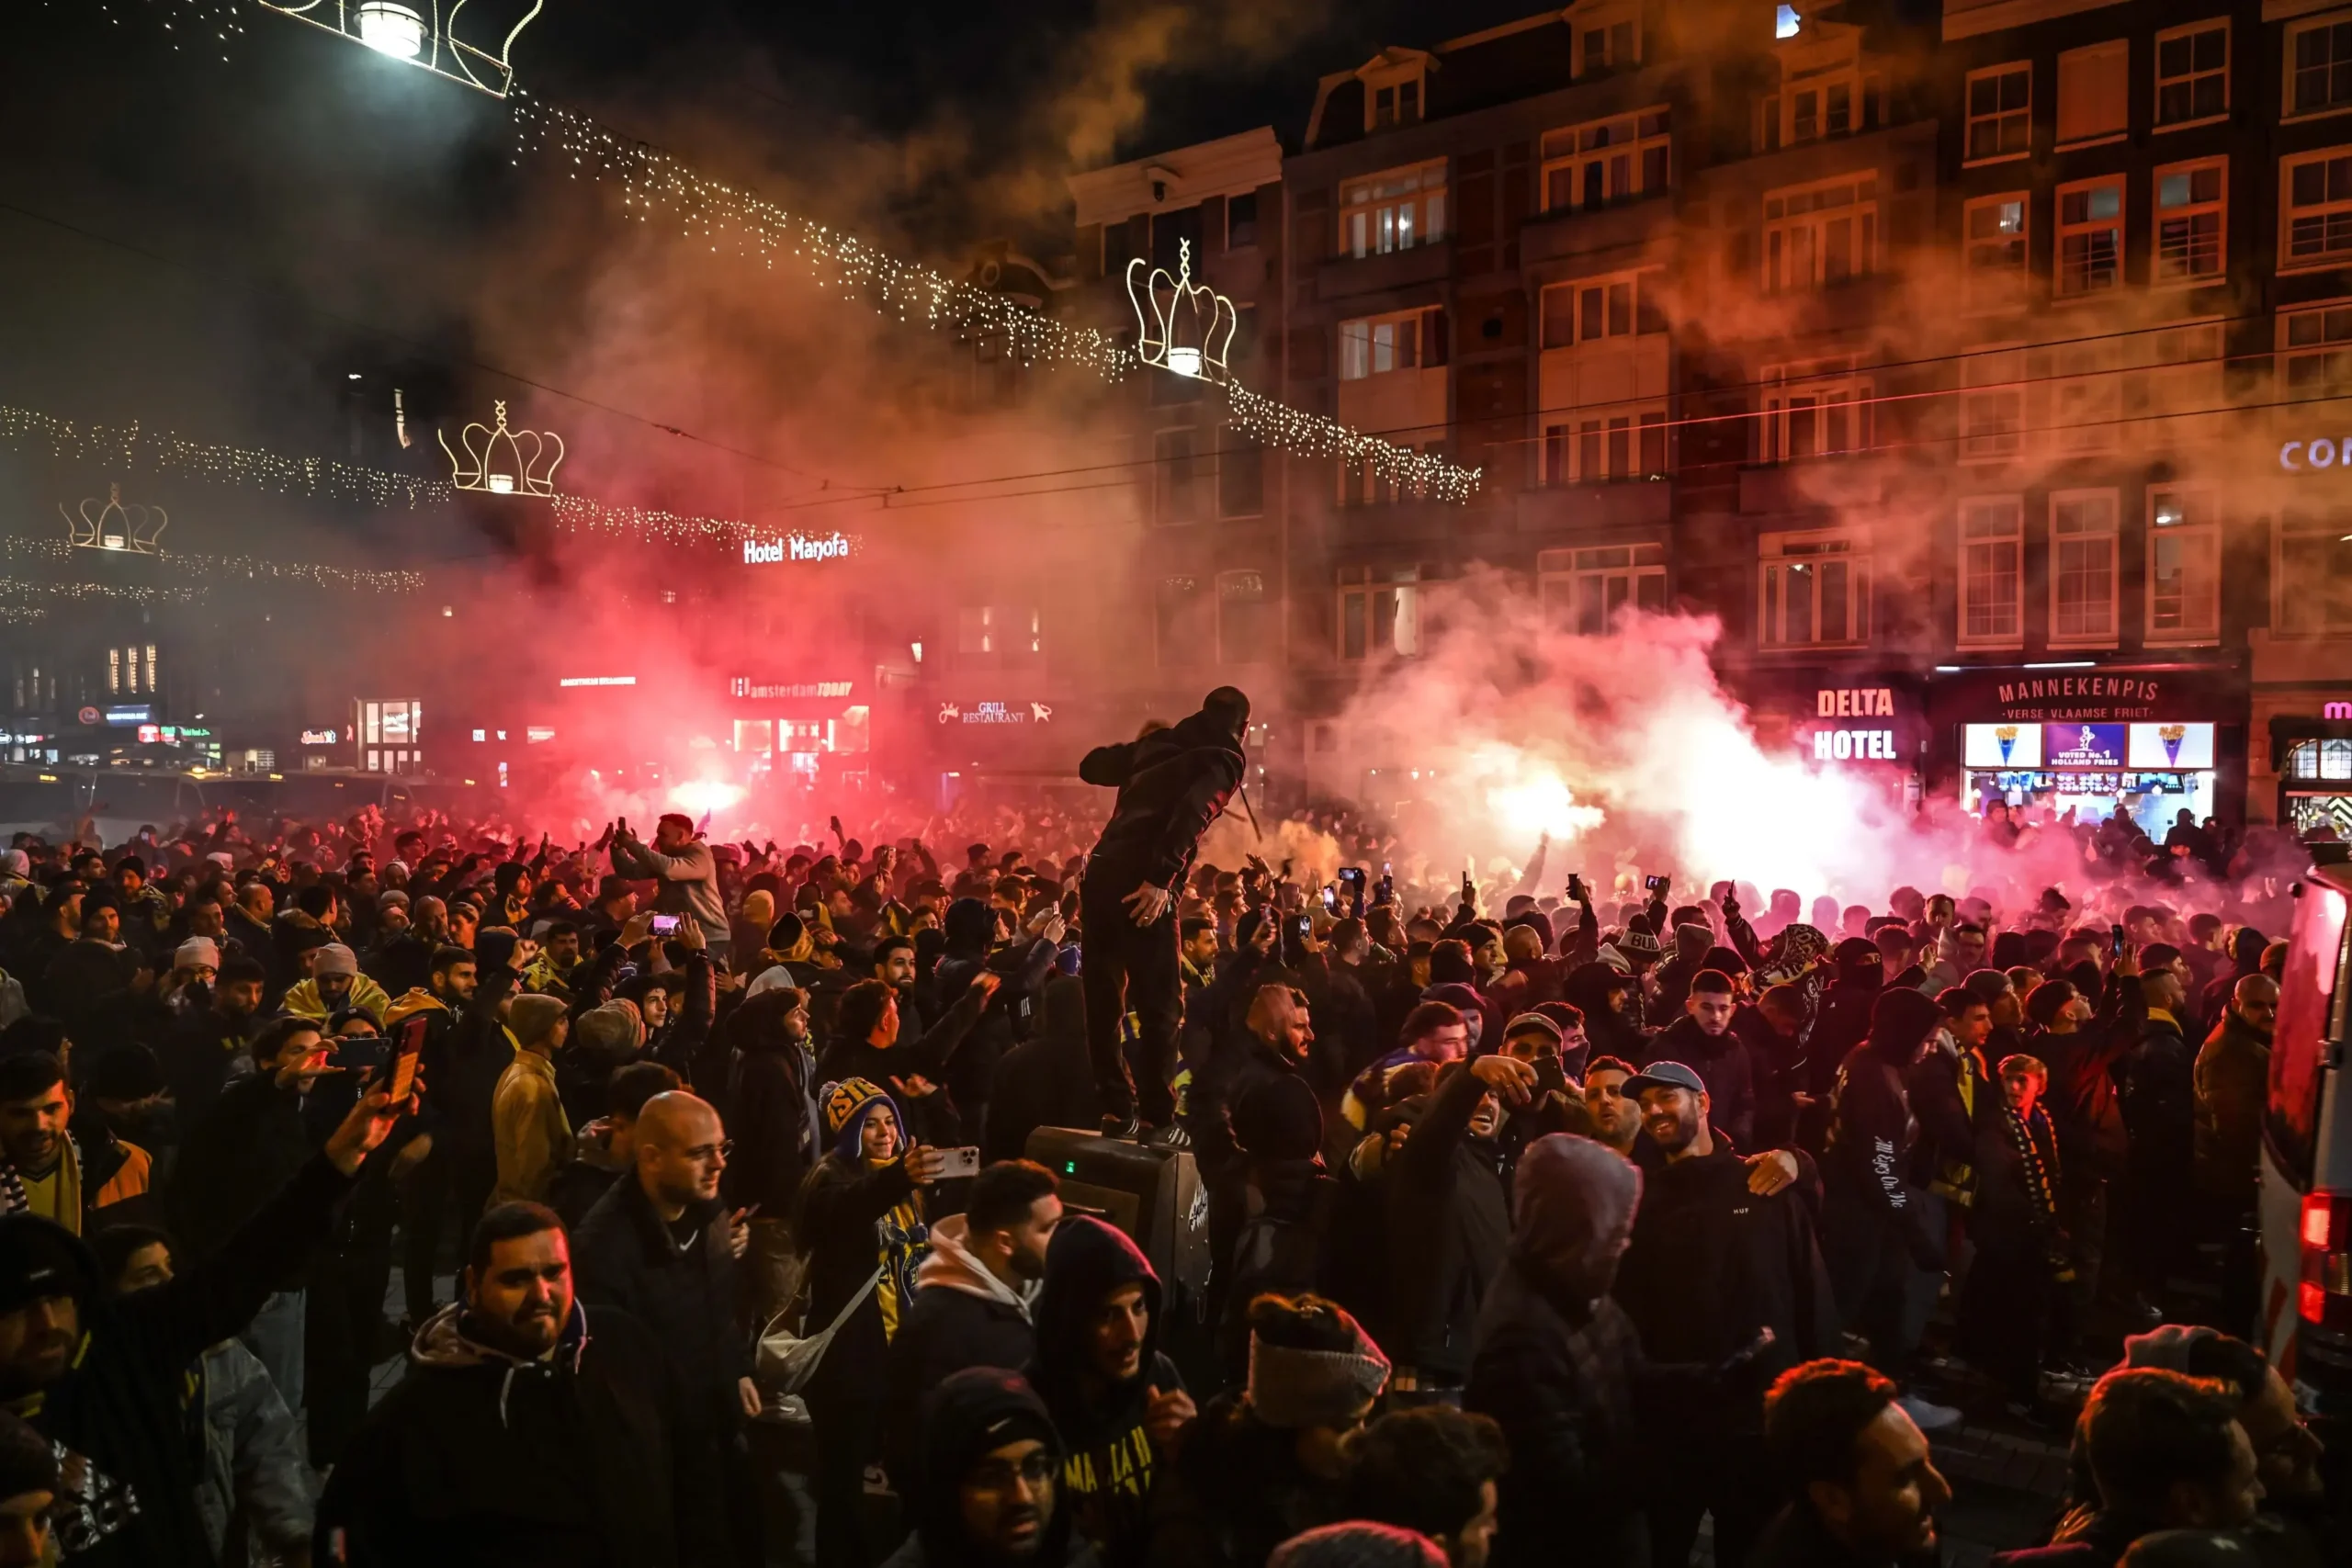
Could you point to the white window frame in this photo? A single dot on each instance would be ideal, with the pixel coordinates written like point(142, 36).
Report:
point(1599, 445)
point(1395, 82)
point(2118, 49)
point(2296, 32)
point(1835, 400)
point(1386, 344)
point(1788, 562)
point(1393, 209)
point(1998, 286)
point(2200, 612)
point(2063, 231)
point(2004, 117)
point(2060, 544)
point(2189, 212)
point(1991, 550)
point(1992, 404)
point(2327, 344)
point(1365, 590)
point(2193, 77)
point(1581, 590)
point(1782, 112)
point(2332, 214)
point(2076, 389)
point(1798, 222)
point(1631, 153)
point(1584, 304)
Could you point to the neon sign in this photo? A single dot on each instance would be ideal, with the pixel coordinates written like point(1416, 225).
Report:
point(795, 548)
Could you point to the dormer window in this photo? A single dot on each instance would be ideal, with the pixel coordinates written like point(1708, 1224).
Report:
point(1399, 104)
point(1396, 88)
point(1608, 36)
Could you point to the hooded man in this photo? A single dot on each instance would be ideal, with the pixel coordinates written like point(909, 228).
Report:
point(973, 1292)
point(518, 1435)
point(1557, 1356)
point(987, 1491)
point(2232, 1078)
point(1116, 1400)
point(336, 985)
point(527, 1120)
point(1172, 783)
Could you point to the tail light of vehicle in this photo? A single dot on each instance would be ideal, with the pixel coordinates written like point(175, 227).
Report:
point(2325, 1295)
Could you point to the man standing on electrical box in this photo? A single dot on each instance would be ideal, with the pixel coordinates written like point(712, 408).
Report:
point(1173, 782)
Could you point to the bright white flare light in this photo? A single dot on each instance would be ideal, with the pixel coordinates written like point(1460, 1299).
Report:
point(1529, 797)
point(1184, 361)
point(700, 797)
point(391, 29)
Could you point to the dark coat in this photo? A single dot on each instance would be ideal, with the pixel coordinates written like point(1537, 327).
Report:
point(246, 1148)
point(121, 1402)
point(1172, 783)
point(2232, 1078)
point(475, 1461)
point(1047, 1080)
point(955, 1321)
point(624, 1256)
point(196, 1057)
point(841, 1206)
point(771, 1107)
point(1449, 1223)
point(1722, 1063)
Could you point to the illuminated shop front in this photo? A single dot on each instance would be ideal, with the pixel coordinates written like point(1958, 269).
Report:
point(801, 727)
point(2148, 743)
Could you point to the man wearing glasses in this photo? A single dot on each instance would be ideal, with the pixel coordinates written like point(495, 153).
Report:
point(661, 1246)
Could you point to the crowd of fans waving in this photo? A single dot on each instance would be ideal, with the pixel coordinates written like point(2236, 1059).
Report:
point(1546, 1222)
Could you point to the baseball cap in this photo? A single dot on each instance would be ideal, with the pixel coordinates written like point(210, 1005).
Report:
point(1664, 1075)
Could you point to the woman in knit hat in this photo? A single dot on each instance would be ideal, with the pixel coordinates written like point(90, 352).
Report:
point(862, 1218)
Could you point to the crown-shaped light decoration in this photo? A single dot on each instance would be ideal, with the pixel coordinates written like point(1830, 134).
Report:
point(503, 461)
point(422, 32)
point(1184, 327)
point(133, 529)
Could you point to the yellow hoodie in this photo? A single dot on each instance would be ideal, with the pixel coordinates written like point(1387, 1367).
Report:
point(365, 995)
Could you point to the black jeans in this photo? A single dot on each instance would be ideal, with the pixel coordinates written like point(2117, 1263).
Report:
point(1129, 968)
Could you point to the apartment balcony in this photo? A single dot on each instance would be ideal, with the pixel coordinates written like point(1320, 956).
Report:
point(1601, 237)
point(1583, 510)
point(1355, 277)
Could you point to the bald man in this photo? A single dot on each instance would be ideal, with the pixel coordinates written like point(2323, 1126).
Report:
point(662, 1247)
point(2233, 1080)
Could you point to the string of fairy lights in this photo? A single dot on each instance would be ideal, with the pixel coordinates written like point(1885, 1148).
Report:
point(712, 213)
point(185, 563)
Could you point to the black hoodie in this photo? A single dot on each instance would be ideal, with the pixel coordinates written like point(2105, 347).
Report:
point(1108, 1472)
point(971, 1414)
point(1171, 784)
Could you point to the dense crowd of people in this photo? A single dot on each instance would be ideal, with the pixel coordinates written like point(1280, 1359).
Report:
point(1520, 1226)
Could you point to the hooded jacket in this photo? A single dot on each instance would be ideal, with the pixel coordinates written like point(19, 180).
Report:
point(1844, 1020)
point(771, 1107)
point(365, 996)
point(2232, 1077)
point(1557, 1358)
point(479, 1458)
point(1448, 1226)
point(1172, 783)
point(961, 1316)
point(1875, 1137)
point(965, 1418)
point(1587, 987)
point(1110, 1464)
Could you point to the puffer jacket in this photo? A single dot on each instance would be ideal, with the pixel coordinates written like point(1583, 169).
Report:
point(253, 1457)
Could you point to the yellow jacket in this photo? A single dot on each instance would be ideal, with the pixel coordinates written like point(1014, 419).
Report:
point(365, 996)
point(529, 1128)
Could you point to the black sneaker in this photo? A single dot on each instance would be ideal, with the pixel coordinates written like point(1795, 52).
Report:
point(1127, 1129)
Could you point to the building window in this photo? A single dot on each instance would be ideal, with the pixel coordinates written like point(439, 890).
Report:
point(2082, 567)
point(2000, 112)
point(1596, 448)
point(1393, 211)
point(1607, 42)
point(1375, 345)
point(2311, 578)
point(1814, 412)
point(2191, 217)
point(1393, 103)
point(2094, 91)
point(1241, 221)
point(1995, 243)
point(2184, 566)
point(1611, 160)
point(1242, 623)
point(2319, 66)
point(1834, 105)
point(2080, 385)
point(2316, 351)
point(2090, 236)
point(1360, 484)
point(1240, 476)
point(1822, 234)
point(1815, 591)
point(2318, 208)
point(1992, 406)
point(1592, 309)
point(2193, 74)
point(114, 672)
point(1991, 571)
point(1175, 497)
point(1583, 590)
point(1380, 612)
point(997, 634)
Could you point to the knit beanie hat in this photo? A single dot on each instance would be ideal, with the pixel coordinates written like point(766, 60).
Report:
point(847, 1105)
point(612, 1029)
point(533, 1017)
point(196, 951)
point(334, 958)
point(1291, 1388)
point(1357, 1544)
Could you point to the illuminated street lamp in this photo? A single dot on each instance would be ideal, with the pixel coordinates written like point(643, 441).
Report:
point(1185, 328)
point(424, 33)
point(391, 29)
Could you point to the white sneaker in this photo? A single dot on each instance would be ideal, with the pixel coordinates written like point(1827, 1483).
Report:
point(1927, 1417)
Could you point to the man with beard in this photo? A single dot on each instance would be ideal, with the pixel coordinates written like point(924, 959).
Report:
point(46, 1172)
point(518, 1435)
point(973, 1292)
point(1703, 1039)
point(1615, 1111)
point(196, 1054)
point(1712, 1269)
point(986, 1492)
point(1172, 783)
point(1866, 1488)
point(2232, 1076)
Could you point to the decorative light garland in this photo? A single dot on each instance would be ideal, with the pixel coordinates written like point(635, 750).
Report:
point(17, 588)
point(225, 18)
point(706, 210)
point(249, 567)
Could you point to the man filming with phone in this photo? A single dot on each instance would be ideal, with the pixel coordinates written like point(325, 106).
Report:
point(1172, 783)
point(685, 871)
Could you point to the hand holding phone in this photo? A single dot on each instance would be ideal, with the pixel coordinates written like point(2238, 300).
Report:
point(958, 1163)
point(664, 925)
point(1576, 894)
point(1657, 884)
